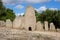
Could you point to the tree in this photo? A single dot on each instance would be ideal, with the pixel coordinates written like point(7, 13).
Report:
point(10, 15)
point(50, 16)
point(2, 11)
point(6, 13)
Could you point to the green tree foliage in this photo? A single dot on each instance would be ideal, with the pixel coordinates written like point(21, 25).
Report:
point(10, 15)
point(6, 13)
point(2, 8)
point(50, 16)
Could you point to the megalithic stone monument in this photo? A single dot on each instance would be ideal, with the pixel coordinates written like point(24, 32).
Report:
point(2, 24)
point(30, 19)
point(52, 27)
point(39, 26)
point(46, 25)
point(9, 23)
point(17, 23)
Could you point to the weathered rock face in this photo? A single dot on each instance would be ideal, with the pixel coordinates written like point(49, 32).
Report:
point(30, 19)
point(8, 23)
point(23, 23)
point(39, 26)
point(58, 30)
point(13, 34)
point(52, 27)
point(2, 24)
point(26, 22)
point(46, 25)
point(17, 22)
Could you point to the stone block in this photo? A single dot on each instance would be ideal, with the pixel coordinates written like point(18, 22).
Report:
point(2, 24)
point(30, 19)
point(52, 26)
point(17, 23)
point(39, 26)
point(46, 25)
point(8, 23)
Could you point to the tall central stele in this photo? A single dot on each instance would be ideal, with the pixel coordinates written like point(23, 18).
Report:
point(30, 19)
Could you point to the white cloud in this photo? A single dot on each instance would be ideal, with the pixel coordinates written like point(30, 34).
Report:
point(22, 1)
point(53, 8)
point(19, 7)
point(17, 14)
point(42, 8)
point(22, 13)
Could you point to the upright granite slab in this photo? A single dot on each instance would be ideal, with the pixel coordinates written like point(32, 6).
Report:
point(52, 27)
point(9, 23)
point(46, 25)
point(2, 24)
point(17, 23)
point(30, 19)
point(58, 29)
point(39, 26)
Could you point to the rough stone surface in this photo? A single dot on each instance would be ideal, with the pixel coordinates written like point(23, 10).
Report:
point(39, 26)
point(17, 22)
point(23, 23)
point(30, 19)
point(52, 27)
point(58, 30)
point(26, 22)
point(8, 23)
point(2, 23)
point(46, 25)
point(13, 34)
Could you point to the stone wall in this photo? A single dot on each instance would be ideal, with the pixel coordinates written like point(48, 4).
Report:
point(18, 24)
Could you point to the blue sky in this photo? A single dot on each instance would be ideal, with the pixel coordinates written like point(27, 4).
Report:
point(19, 6)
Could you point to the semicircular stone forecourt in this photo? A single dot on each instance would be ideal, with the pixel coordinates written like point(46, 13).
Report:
point(14, 34)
